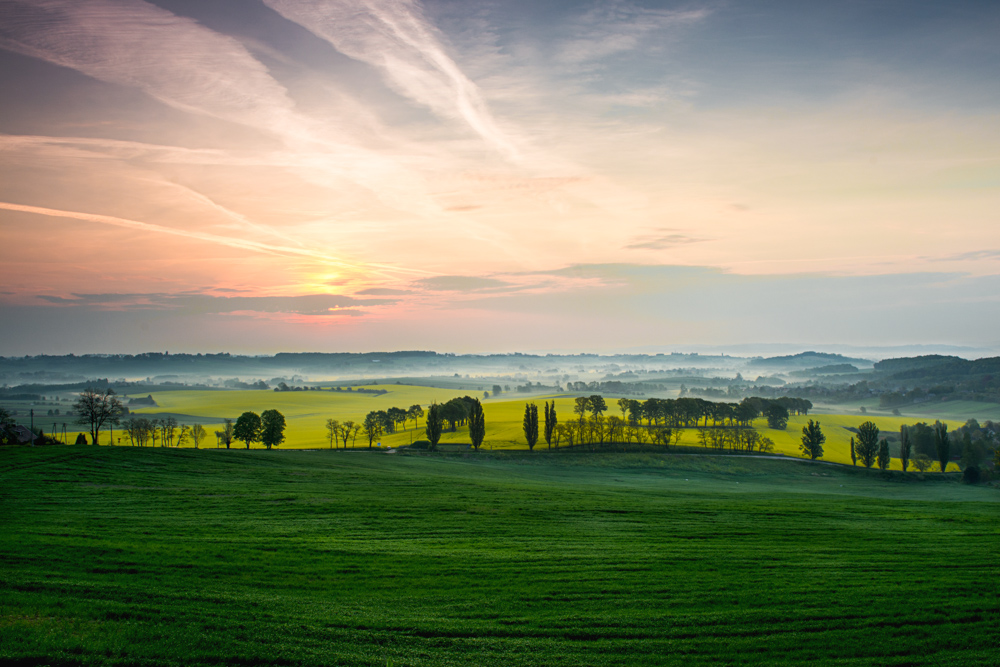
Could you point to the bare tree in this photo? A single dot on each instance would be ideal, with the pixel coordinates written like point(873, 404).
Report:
point(97, 409)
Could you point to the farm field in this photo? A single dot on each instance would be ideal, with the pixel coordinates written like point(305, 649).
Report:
point(307, 412)
point(122, 556)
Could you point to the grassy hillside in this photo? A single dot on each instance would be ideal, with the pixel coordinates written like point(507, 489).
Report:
point(120, 556)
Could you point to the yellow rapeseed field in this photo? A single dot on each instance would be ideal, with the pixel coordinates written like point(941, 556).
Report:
point(306, 413)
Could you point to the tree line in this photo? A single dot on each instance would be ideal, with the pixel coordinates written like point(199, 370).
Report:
point(100, 410)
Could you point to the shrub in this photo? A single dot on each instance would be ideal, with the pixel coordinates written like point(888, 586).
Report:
point(421, 444)
point(970, 475)
point(922, 462)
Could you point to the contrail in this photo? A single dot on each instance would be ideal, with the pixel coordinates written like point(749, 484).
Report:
point(244, 244)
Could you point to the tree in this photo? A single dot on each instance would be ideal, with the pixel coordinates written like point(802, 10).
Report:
point(597, 405)
point(777, 416)
point(415, 413)
point(550, 422)
point(247, 428)
point(854, 453)
point(197, 434)
point(922, 462)
point(332, 431)
point(564, 433)
point(272, 428)
point(433, 426)
point(398, 416)
point(6, 428)
point(385, 421)
point(942, 445)
point(477, 424)
point(346, 429)
point(580, 406)
point(530, 424)
point(867, 445)
point(454, 412)
point(905, 447)
point(184, 435)
point(372, 426)
point(812, 440)
point(96, 408)
point(169, 428)
point(883, 454)
point(227, 432)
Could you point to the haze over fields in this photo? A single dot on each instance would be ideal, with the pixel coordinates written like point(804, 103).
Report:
point(498, 176)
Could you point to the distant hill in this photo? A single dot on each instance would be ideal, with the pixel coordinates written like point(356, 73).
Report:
point(938, 368)
point(805, 360)
point(832, 369)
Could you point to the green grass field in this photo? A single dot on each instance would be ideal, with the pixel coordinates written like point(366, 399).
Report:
point(122, 556)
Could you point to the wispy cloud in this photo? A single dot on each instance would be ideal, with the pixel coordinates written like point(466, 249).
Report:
point(232, 242)
point(967, 256)
point(461, 283)
point(397, 39)
point(189, 67)
point(206, 304)
point(173, 59)
point(616, 27)
point(661, 239)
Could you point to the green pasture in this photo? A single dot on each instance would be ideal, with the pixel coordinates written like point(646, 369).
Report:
point(167, 557)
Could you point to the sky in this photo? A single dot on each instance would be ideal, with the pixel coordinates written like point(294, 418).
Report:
point(357, 175)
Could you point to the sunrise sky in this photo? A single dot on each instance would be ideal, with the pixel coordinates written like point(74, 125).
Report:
point(265, 175)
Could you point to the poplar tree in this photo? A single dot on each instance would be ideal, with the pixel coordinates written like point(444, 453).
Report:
point(433, 425)
point(477, 424)
point(905, 447)
point(942, 444)
point(530, 424)
point(883, 454)
point(854, 454)
point(550, 422)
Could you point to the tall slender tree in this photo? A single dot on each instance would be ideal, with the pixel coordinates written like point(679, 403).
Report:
point(550, 422)
point(477, 424)
point(432, 427)
point(942, 444)
point(530, 424)
point(883, 454)
point(854, 453)
point(905, 447)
